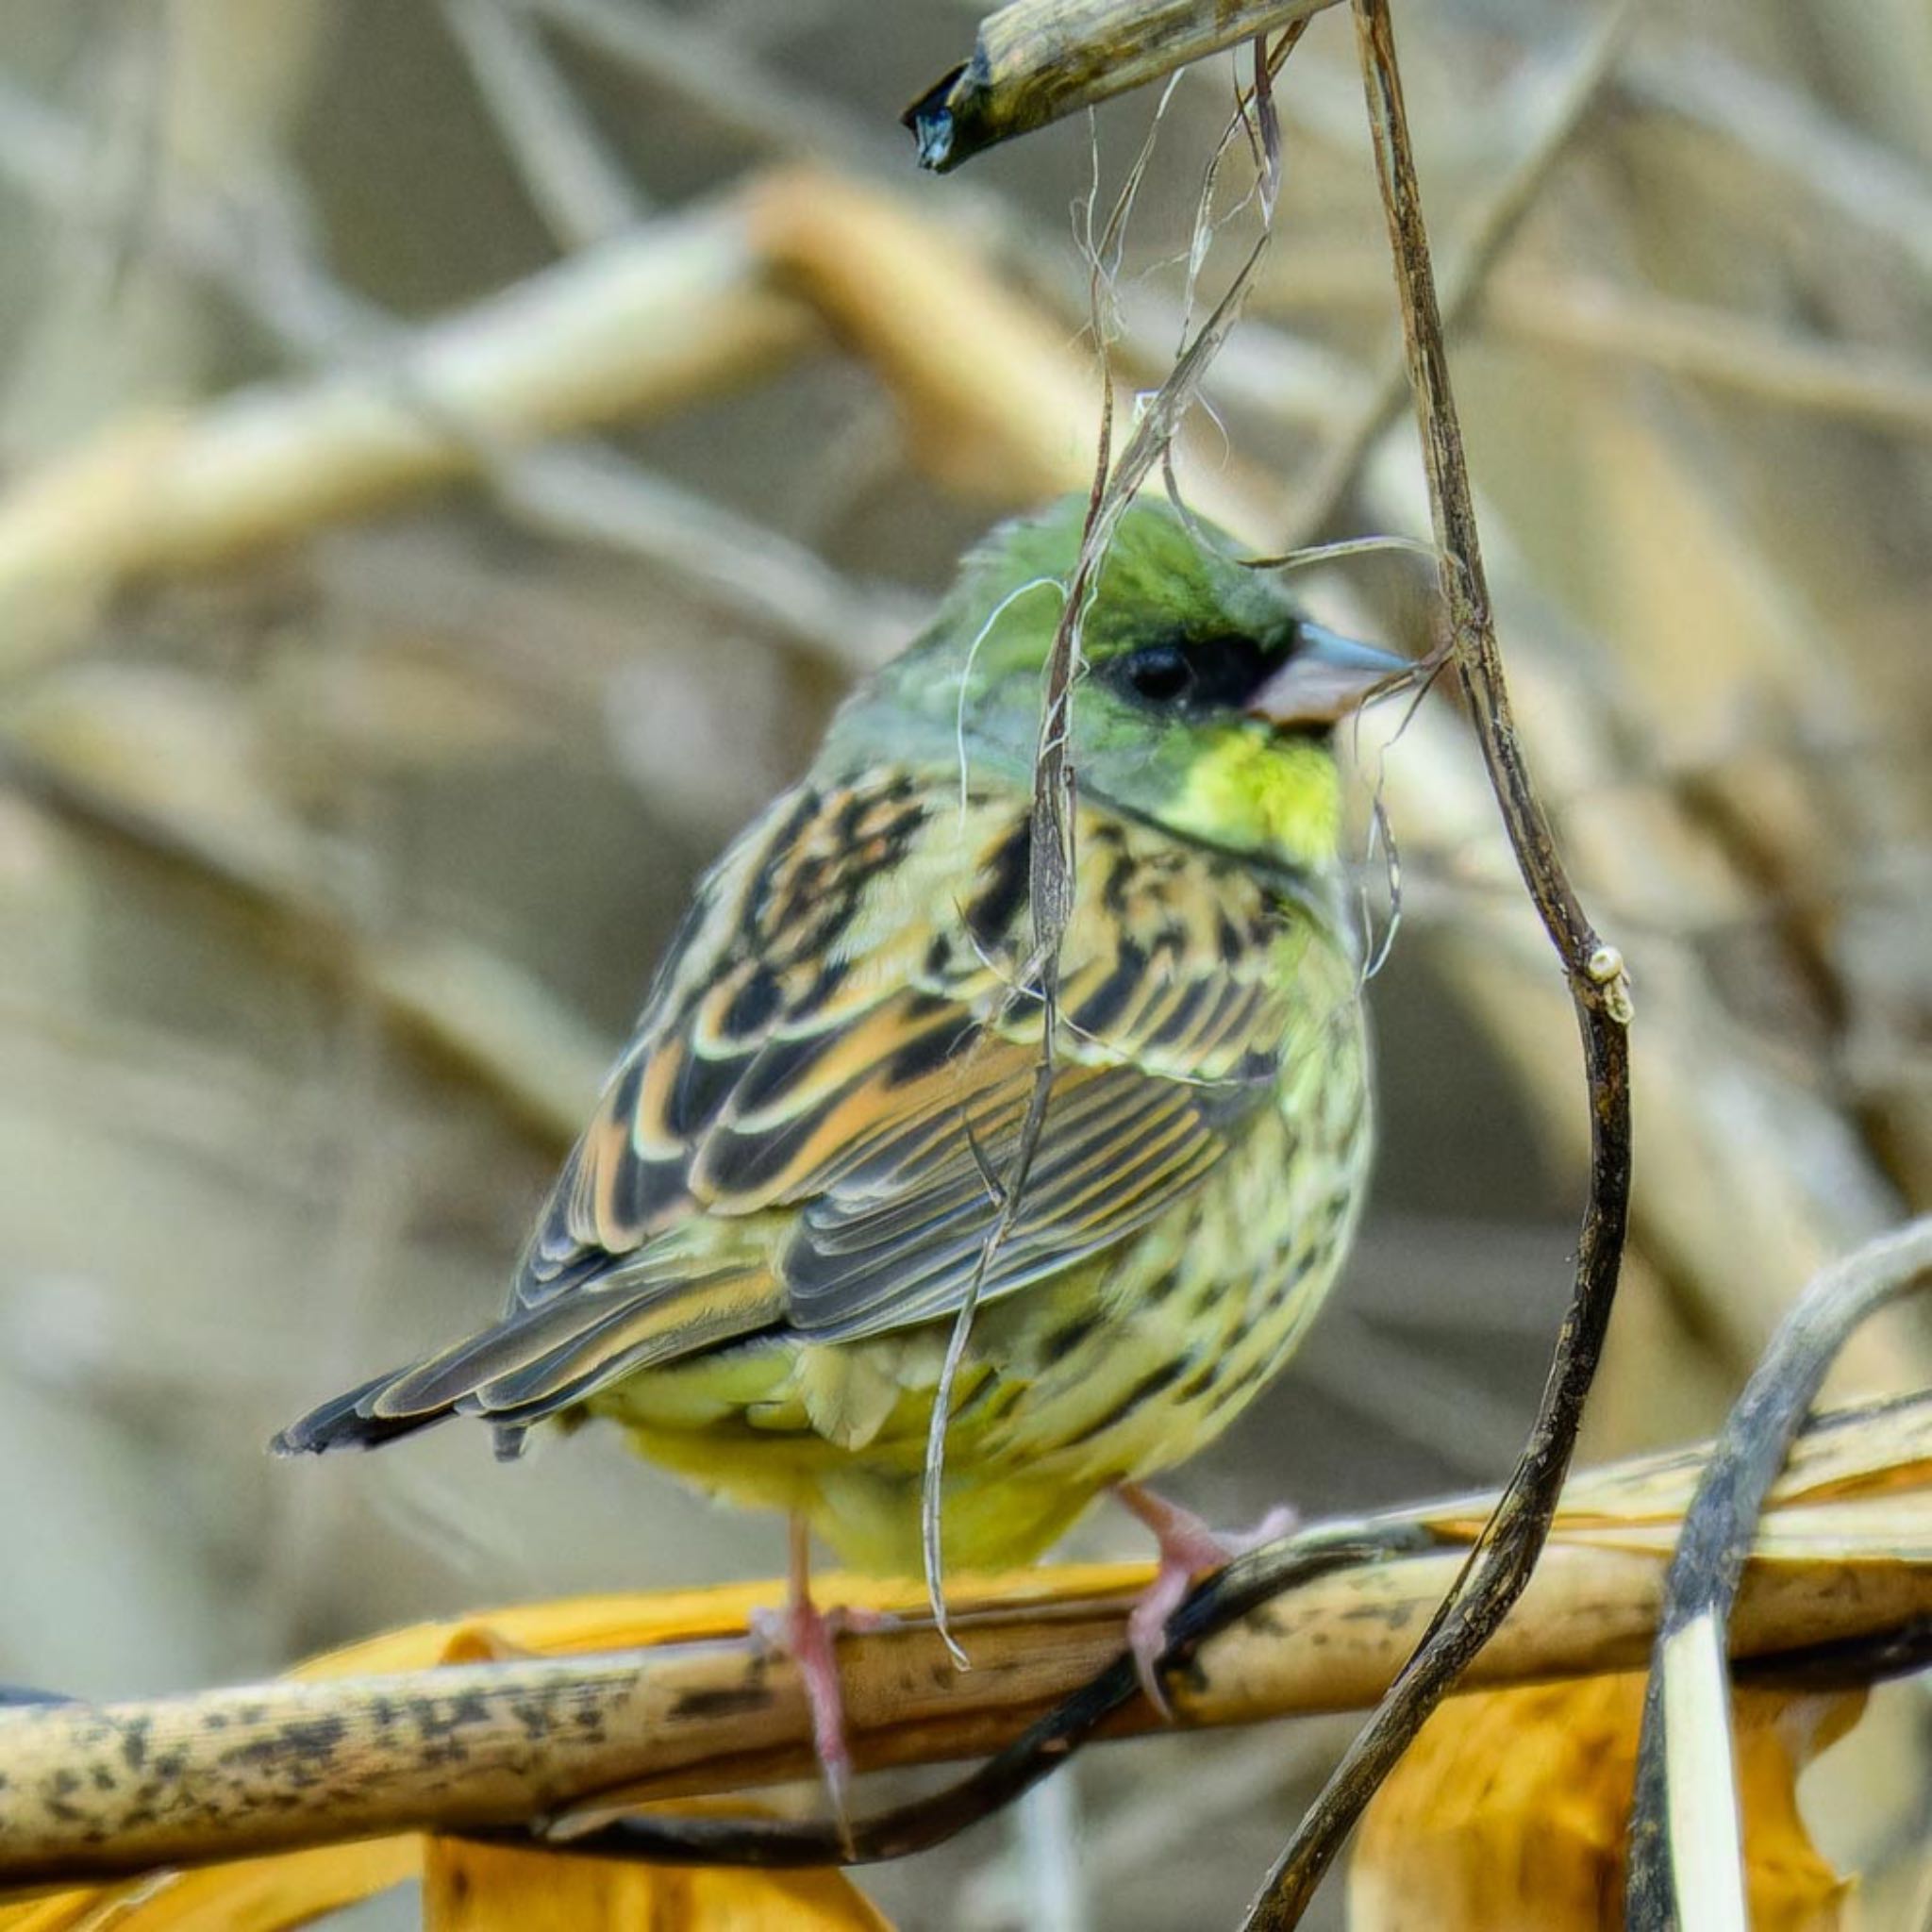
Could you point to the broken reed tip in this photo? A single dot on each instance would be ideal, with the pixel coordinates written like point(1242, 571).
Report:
point(934, 128)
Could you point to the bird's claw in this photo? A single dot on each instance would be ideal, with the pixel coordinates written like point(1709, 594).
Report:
point(1188, 1549)
point(807, 1635)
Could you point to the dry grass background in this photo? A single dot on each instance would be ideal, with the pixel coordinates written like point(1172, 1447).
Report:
point(379, 668)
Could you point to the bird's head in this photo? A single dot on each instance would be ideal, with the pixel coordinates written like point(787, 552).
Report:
point(1207, 703)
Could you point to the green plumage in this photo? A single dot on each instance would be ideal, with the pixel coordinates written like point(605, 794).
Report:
point(753, 1258)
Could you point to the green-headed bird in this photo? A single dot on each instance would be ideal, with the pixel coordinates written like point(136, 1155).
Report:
point(754, 1257)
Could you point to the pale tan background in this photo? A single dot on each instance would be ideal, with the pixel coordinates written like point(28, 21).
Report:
point(465, 749)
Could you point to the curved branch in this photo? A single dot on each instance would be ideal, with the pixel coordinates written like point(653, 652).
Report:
point(1506, 1554)
point(1688, 1688)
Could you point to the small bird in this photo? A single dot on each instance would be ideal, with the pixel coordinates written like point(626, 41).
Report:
point(754, 1257)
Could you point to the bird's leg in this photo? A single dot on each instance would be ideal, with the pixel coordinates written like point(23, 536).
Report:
point(1188, 1549)
point(806, 1634)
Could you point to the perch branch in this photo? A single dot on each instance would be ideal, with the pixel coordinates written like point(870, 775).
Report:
point(1844, 1558)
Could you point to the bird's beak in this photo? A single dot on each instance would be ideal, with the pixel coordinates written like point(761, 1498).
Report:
point(1325, 680)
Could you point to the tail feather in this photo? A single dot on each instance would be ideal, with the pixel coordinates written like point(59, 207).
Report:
point(605, 1344)
point(541, 1360)
point(340, 1424)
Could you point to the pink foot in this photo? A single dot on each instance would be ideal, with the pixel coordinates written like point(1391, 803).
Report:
point(803, 1633)
point(808, 1635)
point(1188, 1549)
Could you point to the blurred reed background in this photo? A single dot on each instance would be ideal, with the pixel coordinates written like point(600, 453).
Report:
point(455, 455)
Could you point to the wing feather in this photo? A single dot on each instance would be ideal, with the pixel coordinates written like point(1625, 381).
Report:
point(873, 1094)
point(837, 1055)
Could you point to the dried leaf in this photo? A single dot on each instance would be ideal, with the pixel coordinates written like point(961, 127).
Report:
point(252, 1895)
point(621, 1622)
point(470, 1888)
point(1509, 1812)
point(1615, 1506)
point(466, 1888)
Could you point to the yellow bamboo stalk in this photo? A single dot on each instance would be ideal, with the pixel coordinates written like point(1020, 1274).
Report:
point(372, 1742)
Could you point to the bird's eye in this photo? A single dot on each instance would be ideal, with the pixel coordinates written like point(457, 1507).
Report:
point(1195, 674)
point(1158, 674)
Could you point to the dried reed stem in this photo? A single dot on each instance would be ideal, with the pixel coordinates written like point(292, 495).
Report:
point(97, 1790)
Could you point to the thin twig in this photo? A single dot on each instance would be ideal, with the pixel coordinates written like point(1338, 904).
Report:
point(584, 494)
point(1686, 1864)
point(1052, 1877)
point(717, 73)
point(589, 495)
point(1052, 855)
point(638, 325)
point(1596, 318)
point(1820, 156)
point(573, 180)
point(1049, 903)
point(1487, 240)
point(478, 1010)
point(1506, 1554)
point(1726, 351)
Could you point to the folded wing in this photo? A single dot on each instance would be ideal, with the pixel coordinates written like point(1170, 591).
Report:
point(813, 1130)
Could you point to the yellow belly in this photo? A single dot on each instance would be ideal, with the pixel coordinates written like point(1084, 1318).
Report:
point(1119, 1368)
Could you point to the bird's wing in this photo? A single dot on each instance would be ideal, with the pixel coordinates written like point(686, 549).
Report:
point(810, 1131)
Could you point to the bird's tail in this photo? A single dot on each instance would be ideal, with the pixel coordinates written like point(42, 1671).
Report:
point(344, 1424)
point(539, 1361)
